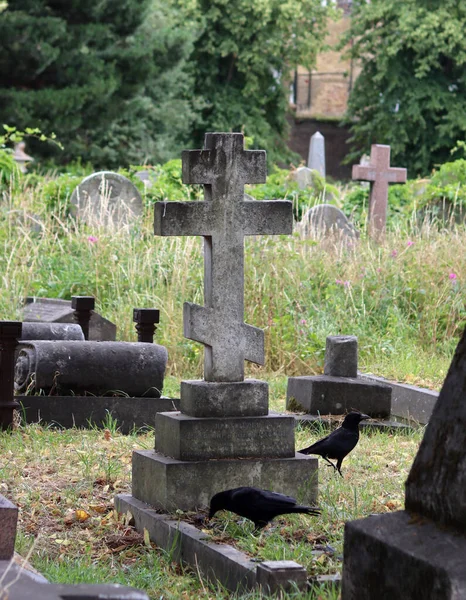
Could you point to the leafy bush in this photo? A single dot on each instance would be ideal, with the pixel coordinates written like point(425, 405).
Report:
point(56, 192)
point(9, 170)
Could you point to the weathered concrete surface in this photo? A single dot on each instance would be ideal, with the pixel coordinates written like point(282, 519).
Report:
point(398, 556)
point(322, 394)
point(224, 218)
point(341, 356)
point(249, 398)
point(409, 401)
point(8, 524)
point(90, 411)
point(51, 331)
point(100, 368)
point(275, 576)
point(190, 438)
point(166, 483)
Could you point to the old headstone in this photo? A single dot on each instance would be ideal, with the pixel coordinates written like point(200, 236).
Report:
point(55, 310)
point(420, 552)
point(10, 332)
point(51, 331)
point(8, 523)
point(379, 174)
point(339, 389)
point(316, 157)
point(303, 177)
point(148, 177)
point(326, 220)
point(223, 416)
point(107, 198)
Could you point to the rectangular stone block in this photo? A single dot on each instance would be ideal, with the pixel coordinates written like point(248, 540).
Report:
point(8, 523)
point(249, 398)
point(325, 395)
point(397, 555)
point(168, 484)
point(190, 438)
point(275, 576)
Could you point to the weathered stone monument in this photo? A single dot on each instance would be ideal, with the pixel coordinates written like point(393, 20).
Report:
point(107, 198)
point(326, 220)
point(420, 552)
point(56, 310)
point(379, 173)
point(223, 416)
point(339, 390)
point(303, 177)
point(316, 157)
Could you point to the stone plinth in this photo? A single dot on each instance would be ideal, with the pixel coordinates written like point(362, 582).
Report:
point(166, 483)
point(8, 523)
point(275, 576)
point(341, 356)
point(402, 556)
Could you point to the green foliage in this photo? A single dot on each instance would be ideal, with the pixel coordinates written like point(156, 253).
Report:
point(110, 78)
point(411, 92)
point(56, 192)
point(242, 60)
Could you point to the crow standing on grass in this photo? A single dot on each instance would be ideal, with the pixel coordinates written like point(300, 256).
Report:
point(340, 442)
point(260, 506)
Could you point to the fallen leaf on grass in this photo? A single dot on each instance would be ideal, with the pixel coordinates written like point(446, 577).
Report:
point(81, 515)
point(107, 435)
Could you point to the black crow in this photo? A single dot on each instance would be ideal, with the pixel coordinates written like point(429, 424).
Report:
point(260, 506)
point(340, 442)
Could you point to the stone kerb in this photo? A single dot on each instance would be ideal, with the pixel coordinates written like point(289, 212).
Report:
point(224, 417)
point(340, 389)
point(420, 552)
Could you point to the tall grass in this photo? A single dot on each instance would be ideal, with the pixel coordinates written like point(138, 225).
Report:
point(403, 298)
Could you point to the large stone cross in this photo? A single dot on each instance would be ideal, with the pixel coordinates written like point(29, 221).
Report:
point(223, 219)
point(380, 174)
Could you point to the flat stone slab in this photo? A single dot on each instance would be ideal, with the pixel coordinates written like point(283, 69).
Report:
point(8, 523)
point(219, 563)
point(399, 555)
point(89, 411)
point(190, 438)
point(249, 398)
point(166, 483)
point(409, 402)
point(323, 394)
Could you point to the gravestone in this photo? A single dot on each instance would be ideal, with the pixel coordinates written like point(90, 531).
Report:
point(379, 173)
point(107, 198)
point(51, 331)
point(420, 552)
point(55, 310)
point(303, 177)
point(316, 157)
point(8, 524)
point(326, 220)
point(339, 390)
point(223, 416)
point(147, 177)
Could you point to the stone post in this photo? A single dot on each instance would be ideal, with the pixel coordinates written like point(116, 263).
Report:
point(316, 157)
point(379, 173)
point(83, 306)
point(10, 332)
point(146, 319)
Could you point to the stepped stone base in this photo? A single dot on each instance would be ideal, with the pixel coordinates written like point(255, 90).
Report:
point(166, 483)
point(402, 556)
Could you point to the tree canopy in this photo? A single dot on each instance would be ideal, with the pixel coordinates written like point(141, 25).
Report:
point(411, 92)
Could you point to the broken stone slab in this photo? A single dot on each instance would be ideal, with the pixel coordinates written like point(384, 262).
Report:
point(107, 198)
point(275, 576)
point(51, 331)
point(167, 484)
point(190, 438)
point(8, 524)
point(55, 310)
point(249, 398)
point(326, 220)
point(72, 367)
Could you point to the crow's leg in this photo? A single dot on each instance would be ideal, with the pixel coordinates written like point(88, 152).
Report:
point(340, 460)
point(330, 463)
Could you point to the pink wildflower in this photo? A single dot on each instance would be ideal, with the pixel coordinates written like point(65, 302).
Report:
point(303, 321)
point(410, 243)
point(394, 253)
point(92, 239)
point(347, 283)
point(338, 281)
point(452, 276)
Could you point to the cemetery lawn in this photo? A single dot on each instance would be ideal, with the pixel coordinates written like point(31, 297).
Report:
point(64, 483)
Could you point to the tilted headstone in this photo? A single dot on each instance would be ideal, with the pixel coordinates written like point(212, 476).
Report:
point(339, 390)
point(223, 416)
point(379, 173)
point(55, 310)
point(326, 220)
point(316, 157)
point(106, 198)
point(100, 368)
point(420, 552)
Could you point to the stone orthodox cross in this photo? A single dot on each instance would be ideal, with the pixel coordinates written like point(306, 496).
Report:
point(380, 174)
point(223, 219)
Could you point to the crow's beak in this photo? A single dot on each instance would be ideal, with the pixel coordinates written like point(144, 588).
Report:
point(363, 417)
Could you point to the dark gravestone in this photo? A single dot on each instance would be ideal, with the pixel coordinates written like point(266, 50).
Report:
point(10, 332)
point(51, 331)
point(55, 310)
point(420, 552)
point(8, 523)
point(339, 390)
point(99, 368)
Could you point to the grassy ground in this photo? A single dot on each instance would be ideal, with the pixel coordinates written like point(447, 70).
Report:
point(64, 483)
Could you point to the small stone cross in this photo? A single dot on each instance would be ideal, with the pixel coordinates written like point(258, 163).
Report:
point(223, 219)
point(380, 174)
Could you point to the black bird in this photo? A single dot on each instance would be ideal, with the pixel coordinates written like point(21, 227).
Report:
point(260, 506)
point(340, 442)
